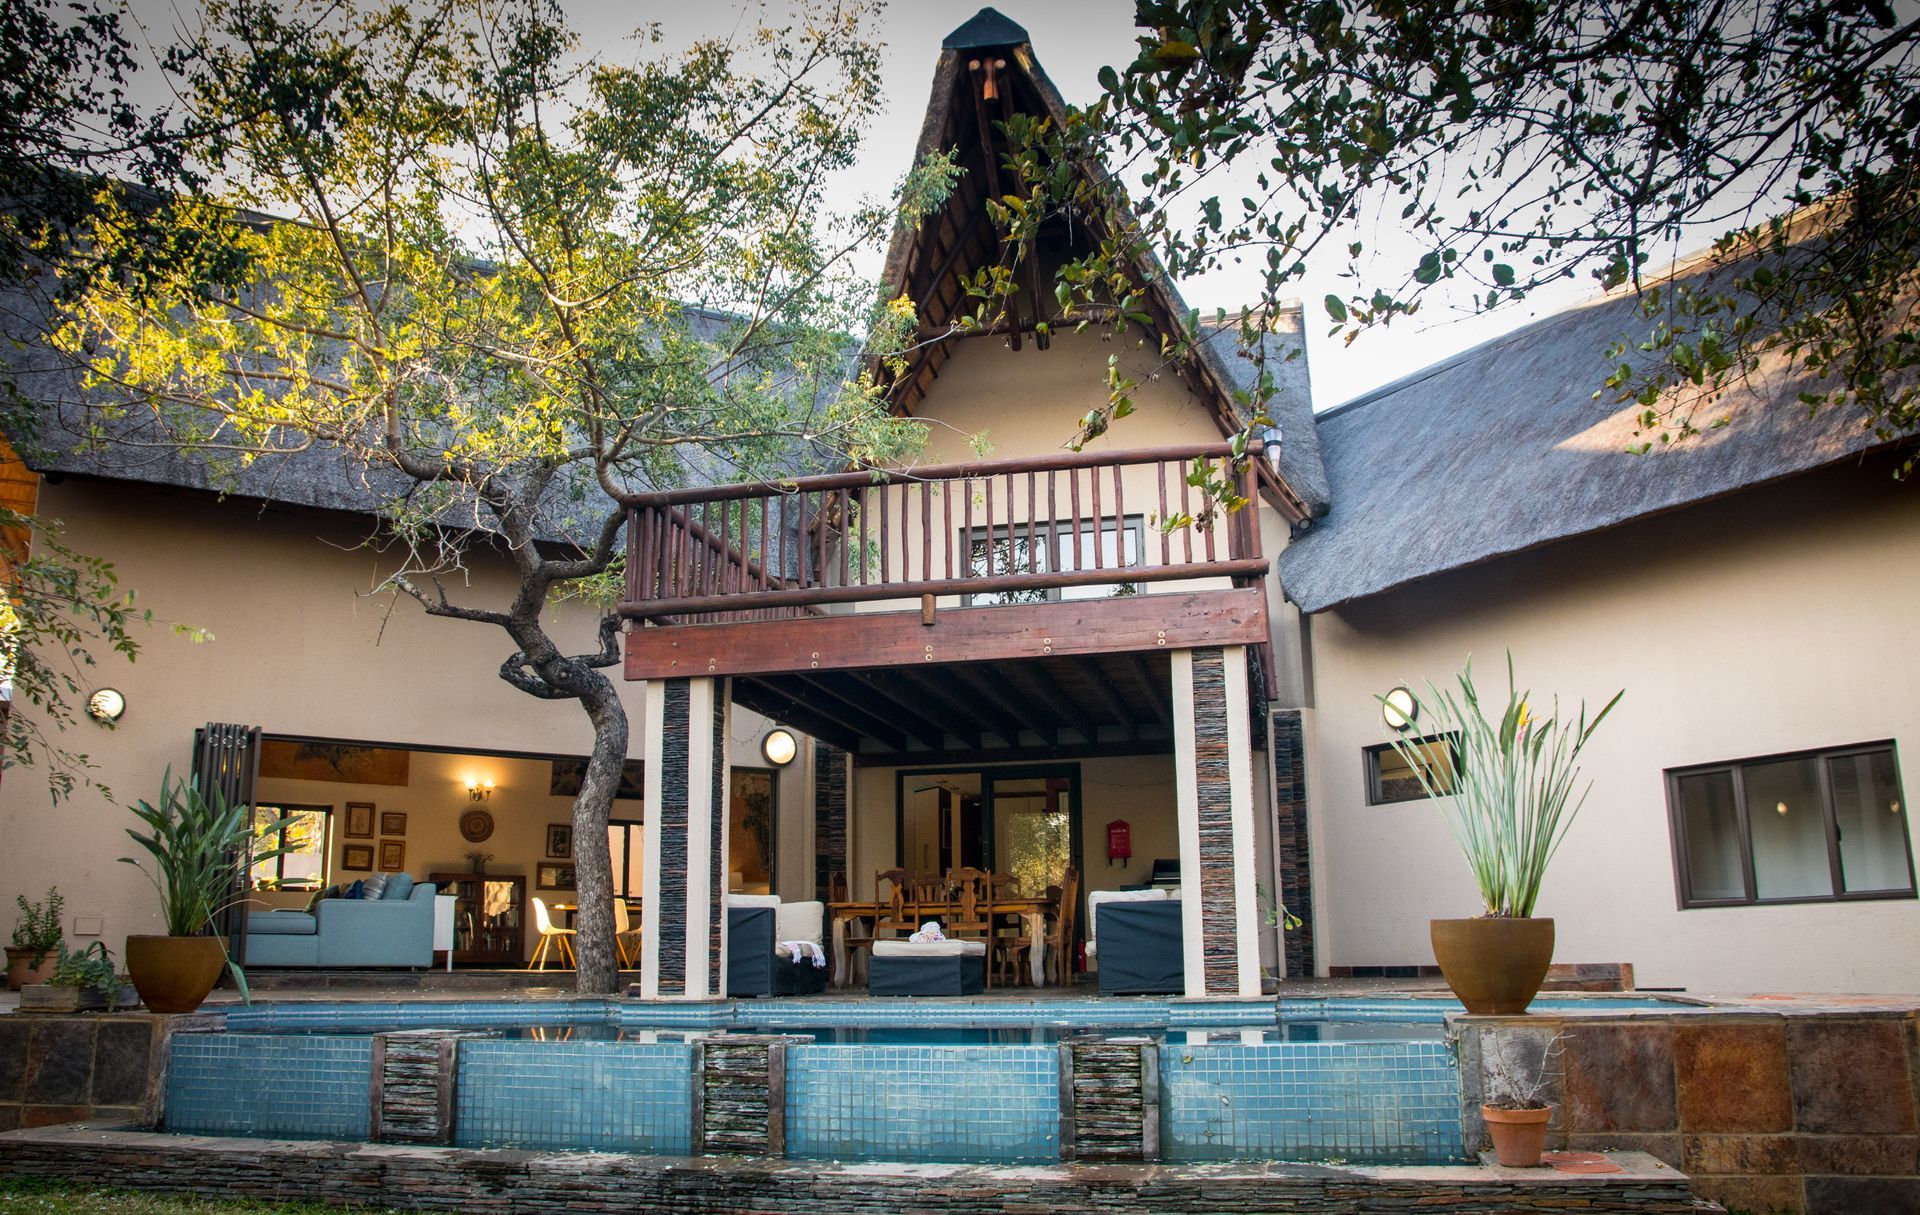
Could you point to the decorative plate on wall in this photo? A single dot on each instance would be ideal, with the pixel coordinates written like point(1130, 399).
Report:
point(476, 825)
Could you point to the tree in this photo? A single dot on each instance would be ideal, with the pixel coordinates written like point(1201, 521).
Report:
point(512, 284)
point(1520, 143)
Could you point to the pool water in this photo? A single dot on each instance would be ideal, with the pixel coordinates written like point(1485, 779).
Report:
point(924, 1035)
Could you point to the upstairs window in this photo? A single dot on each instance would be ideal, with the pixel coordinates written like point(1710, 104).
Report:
point(1816, 826)
point(1053, 550)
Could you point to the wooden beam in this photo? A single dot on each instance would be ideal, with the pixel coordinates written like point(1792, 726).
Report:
point(771, 702)
point(901, 690)
point(1156, 692)
point(1054, 696)
point(853, 716)
point(990, 755)
point(990, 684)
point(867, 640)
point(1115, 707)
point(889, 714)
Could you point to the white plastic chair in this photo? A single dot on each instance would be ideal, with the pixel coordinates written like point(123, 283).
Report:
point(543, 923)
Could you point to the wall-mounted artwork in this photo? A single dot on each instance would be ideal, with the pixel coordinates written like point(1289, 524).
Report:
point(568, 773)
point(393, 822)
point(357, 857)
point(553, 877)
point(341, 763)
point(476, 826)
point(359, 820)
point(560, 841)
point(393, 855)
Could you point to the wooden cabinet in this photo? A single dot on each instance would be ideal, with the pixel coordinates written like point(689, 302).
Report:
point(489, 916)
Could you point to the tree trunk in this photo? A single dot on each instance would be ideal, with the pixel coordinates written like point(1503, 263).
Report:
point(599, 969)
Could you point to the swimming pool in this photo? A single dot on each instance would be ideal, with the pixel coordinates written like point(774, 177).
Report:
point(1364, 1082)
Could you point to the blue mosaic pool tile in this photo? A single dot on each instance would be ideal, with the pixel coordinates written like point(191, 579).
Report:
point(1363, 1102)
point(998, 1104)
point(305, 1087)
point(1434, 1010)
point(585, 1096)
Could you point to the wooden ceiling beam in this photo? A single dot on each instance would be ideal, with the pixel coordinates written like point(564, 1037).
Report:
point(1055, 696)
point(902, 688)
point(815, 694)
point(1116, 708)
point(858, 689)
point(773, 703)
point(1159, 697)
point(989, 683)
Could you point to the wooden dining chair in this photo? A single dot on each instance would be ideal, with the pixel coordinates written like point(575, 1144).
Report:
point(970, 913)
point(1060, 934)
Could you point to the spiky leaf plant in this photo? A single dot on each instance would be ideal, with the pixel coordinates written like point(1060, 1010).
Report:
point(1506, 785)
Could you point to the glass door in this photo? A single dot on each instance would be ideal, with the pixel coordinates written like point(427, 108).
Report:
point(1033, 820)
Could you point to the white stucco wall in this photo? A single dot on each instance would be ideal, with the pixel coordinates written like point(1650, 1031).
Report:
point(1778, 620)
point(298, 649)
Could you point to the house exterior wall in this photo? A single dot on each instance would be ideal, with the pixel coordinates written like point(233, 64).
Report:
point(1777, 620)
point(297, 649)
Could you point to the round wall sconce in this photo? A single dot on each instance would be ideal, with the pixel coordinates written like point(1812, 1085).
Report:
point(1398, 708)
point(106, 705)
point(779, 747)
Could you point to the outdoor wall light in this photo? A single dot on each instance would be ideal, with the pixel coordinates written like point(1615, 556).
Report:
point(779, 747)
point(1398, 708)
point(1779, 807)
point(106, 706)
point(479, 790)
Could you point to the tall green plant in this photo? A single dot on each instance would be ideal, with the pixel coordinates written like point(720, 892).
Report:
point(1506, 787)
point(199, 842)
point(39, 926)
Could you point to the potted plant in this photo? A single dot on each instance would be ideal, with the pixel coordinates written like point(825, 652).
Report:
point(30, 959)
point(81, 982)
point(1515, 1111)
point(198, 844)
point(1506, 787)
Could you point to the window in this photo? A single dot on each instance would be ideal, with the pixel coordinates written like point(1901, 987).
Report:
point(310, 836)
point(750, 815)
point(1053, 550)
point(626, 844)
point(1390, 778)
point(1811, 827)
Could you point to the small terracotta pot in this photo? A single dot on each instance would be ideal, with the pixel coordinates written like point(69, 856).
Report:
point(174, 974)
point(20, 968)
point(1519, 1136)
point(1495, 964)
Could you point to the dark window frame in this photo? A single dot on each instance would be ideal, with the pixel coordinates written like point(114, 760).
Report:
point(1048, 533)
point(279, 863)
point(1677, 833)
point(1370, 768)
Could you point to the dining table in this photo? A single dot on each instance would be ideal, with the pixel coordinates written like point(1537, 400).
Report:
point(1033, 915)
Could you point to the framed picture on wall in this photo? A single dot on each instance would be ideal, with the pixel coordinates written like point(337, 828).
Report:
point(393, 822)
point(553, 877)
point(360, 821)
point(560, 841)
point(357, 857)
point(393, 856)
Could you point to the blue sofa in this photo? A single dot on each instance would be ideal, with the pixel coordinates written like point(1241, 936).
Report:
point(395, 929)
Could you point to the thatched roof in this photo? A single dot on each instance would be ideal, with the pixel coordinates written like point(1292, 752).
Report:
point(1503, 448)
point(923, 263)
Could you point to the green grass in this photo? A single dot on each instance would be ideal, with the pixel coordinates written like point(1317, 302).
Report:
point(35, 1196)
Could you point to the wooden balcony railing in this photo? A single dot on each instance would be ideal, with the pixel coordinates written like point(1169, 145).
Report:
point(999, 529)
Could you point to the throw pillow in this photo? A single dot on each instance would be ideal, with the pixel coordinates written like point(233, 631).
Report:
point(355, 891)
point(373, 887)
point(331, 892)
point(399, 886)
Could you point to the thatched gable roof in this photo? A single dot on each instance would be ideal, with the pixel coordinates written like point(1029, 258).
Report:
point(925, 263)
point(1503, 448)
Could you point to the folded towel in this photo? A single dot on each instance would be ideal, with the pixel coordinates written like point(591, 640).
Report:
point(929, 931)
point(798, 951)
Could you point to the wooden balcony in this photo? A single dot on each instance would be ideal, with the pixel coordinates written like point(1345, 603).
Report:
point(1060, 560)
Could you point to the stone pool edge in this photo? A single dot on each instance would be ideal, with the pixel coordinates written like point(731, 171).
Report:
point(550, 1183)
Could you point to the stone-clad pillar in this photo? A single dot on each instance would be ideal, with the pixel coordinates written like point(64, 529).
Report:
point(1213, 769)
point(683, 923)
point(830, 772)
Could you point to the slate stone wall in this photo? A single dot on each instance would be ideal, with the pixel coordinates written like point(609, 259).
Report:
point(57, 1069)
point(1805, 1113)
point(556, 1183)
point(829, 816)
point(1290, 839)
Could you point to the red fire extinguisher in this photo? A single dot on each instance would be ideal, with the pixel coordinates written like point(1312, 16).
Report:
point(1119, 842)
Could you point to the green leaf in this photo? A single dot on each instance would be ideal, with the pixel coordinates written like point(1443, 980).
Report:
point(1503, 274)
point(1429, 269)
point(1336, 308)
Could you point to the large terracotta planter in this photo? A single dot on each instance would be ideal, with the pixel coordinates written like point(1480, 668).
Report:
point(1494, 964)
point(21, 971)
point(1518, 1136)
point(174, 974)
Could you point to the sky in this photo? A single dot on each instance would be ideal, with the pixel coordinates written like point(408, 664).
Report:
point(1073, 40)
